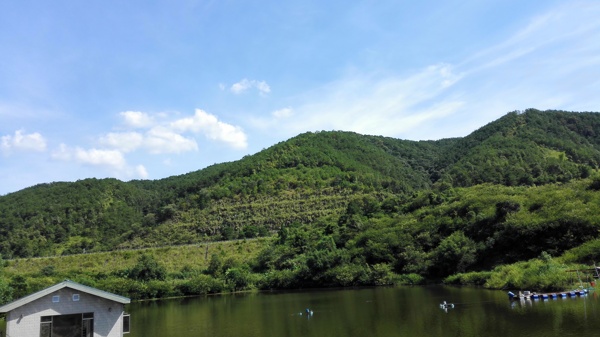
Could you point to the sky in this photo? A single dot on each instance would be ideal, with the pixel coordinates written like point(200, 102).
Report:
point(151, 89)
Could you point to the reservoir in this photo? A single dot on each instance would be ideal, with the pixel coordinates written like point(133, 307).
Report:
point(374, 312)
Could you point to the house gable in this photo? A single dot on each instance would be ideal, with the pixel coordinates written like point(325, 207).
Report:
point(104, 310)
point(65, 284)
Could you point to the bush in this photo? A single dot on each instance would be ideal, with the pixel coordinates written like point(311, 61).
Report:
point(382, 274)
point(278, 279)
point(349, 275)
point(200, 285)
point(587, 253)
point(158, 289)
point(472, 278)
point(48, 270)
point(595, 185)
point(147, 269)
point(535, 275)
point(409, 279)
point(455, 253)
point(121, 286)
point(238, 278)
point(6, 292)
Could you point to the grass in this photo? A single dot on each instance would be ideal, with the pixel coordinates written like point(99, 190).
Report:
point(174, 259)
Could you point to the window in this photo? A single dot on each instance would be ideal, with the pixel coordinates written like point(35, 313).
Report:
point(67, 325)
point(126, 323)
point(87, 326)
point(46, 329)
point(55, 298)
point(75, 297)
point(46, 326)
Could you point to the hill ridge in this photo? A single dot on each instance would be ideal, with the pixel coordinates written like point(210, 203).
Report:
point(328, 169)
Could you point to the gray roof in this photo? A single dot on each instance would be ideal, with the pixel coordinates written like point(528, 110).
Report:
point(65, 284)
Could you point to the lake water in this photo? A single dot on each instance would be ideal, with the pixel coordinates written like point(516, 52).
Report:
point(373, 312)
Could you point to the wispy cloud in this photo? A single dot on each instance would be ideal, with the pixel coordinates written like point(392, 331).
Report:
point(283, 113)
point(550, 63)
point(374, 105)
point(22, 142)
point(560, 27)
point(246, 84)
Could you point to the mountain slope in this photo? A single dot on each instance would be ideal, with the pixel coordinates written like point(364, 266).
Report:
point(307, 178)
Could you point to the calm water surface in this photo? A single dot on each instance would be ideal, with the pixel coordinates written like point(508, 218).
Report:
point(398, 311)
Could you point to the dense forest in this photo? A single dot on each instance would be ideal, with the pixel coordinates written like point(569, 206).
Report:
point(339, 209)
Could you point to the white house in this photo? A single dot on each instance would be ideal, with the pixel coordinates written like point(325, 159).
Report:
point(67, 309)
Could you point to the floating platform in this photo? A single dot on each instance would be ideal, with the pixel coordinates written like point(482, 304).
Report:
point(527, 295)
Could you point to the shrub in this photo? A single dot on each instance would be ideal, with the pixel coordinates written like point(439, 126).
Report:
point(6, 292)
point(147, 269)
point(278, 279)
point(48, 270)
point(409, 279)
point(382, 274)
point(474, 278)
point(200, 285)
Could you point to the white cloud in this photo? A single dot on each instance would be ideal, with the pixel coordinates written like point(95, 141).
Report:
point(123, 141)
point(23, 142)
point(208, 125)
point(113, 159)
point(157, 140)
point(63, 153)
point(241, 86)
point(163, 136)
point(262, 87)
point(137, 119)
point(141, 171)
point(283, 113)
point(162, 140)
point(245, 84)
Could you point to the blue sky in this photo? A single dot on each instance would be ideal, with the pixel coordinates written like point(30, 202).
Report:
point(149, 89)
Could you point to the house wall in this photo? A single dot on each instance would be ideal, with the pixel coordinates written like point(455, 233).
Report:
point(108, 315)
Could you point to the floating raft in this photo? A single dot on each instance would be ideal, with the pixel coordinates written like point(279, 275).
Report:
point(526, 295)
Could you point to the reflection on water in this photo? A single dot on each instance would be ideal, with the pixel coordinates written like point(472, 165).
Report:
point(398, 311)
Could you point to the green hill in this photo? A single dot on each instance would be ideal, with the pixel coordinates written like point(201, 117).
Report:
point(515, 203)
point(300, 181)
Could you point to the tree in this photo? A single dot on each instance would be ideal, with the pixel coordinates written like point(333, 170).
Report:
point(147, 268)
point(19, 286)
point(455, 254)
point(6, 292)
point(238, 278)
point(215, 265)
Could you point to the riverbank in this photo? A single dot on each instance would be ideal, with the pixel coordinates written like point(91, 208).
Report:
point(226, 267)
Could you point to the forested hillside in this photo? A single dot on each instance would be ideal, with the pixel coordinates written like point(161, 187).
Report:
point(308, 179)
point(515, 203)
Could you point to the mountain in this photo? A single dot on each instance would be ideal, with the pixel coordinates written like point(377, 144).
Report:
point(306, 179)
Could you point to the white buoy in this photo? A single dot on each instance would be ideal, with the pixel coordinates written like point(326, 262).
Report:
point(445, 305)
